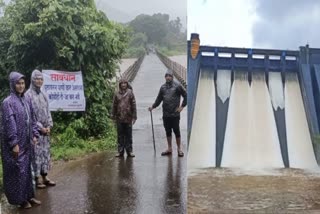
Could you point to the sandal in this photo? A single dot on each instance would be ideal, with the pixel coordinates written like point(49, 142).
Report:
point(25, 205)
point(180, 153)
point(41, 186)
point(166, 153)
point(130, 154)
point(48, 182)
point(119, 155)
point(35, 201)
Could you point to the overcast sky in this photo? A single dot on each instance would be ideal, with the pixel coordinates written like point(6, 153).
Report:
point(279, 24)
point(126, 10)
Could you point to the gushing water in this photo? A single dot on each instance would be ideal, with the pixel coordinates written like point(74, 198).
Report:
point(202, 138)
point(252, 150)
point(251, 136)
point(265, 146)
point(301, 154)
point(235, 150)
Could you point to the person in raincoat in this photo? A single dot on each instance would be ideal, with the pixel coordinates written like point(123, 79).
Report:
point(170, 94)
point(18, 134)
point(41, 159)
point(124, 112)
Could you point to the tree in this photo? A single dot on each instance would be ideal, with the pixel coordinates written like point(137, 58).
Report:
point(2, 5)
point(68, 35)
point(175, 26)
point(155, 27)
point(138, 40)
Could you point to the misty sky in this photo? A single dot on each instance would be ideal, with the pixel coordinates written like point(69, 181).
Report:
point(279, 24)
point(126, 10)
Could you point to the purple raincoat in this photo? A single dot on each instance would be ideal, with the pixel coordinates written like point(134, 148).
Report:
point(18, 128)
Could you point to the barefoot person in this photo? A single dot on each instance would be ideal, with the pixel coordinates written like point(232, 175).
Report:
point(18, 132)
point(170, 94)
point(41, 159)
point(124, 112)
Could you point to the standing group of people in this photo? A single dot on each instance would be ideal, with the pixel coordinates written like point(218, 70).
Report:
point(125, 113)
point(26, 124)
point(25, 144)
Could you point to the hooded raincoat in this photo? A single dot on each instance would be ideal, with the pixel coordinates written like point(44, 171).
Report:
point(124, 111)
point(18, 126)
point(40, 104)
point(124, 108)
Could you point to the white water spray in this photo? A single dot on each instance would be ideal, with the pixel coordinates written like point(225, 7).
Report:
point(235, 151)
point(251, 137)
point(202, 147)
point(300, 150)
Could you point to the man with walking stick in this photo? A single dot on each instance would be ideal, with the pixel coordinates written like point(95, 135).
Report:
point(170, 94)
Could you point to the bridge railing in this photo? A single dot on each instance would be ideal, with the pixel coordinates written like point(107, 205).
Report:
point(179, 71)
point(132, 71)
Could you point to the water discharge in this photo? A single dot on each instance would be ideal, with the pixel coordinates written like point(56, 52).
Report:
point(202, 138)
point(235, 150)
point(251, 136)
point(301, 154)
point(255, 180)
point(264, 142)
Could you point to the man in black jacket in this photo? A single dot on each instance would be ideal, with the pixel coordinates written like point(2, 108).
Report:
point(170, 94)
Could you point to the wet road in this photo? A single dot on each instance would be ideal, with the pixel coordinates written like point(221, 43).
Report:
point(285, 191)
point(103, 184)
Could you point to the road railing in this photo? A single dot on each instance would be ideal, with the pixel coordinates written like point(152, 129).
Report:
point(132, 71)
point(179, 71)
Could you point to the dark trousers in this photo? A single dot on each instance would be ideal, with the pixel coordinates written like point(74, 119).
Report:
point(172, 123)
point(124, 137)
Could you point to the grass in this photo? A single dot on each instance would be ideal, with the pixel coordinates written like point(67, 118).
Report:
point(60, 151)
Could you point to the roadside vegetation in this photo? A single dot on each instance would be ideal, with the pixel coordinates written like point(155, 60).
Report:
point(66, 35)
